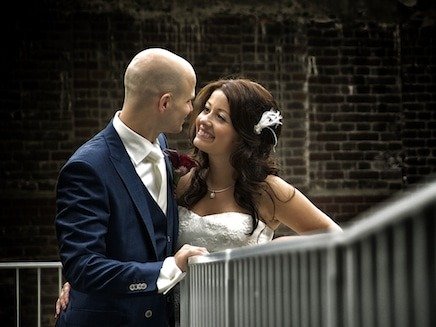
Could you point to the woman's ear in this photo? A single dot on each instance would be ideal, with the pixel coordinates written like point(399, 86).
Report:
point(164, 102)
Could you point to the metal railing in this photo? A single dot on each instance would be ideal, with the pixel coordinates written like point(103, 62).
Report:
point(379, 272)
point(39, 267)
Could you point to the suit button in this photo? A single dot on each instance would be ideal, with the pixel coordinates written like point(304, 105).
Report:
point(143, 286)
point(169, 239)
point(148, 313)
point(132, 287)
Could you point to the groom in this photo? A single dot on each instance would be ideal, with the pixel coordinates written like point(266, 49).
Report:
point(117, 220)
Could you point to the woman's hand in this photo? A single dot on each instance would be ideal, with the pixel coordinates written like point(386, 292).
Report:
point(185, 252)
point(63, 299)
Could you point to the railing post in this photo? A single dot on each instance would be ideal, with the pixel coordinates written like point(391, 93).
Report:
point(421, 282)
point(59, 280)
point(229, 285)
point(382, 280)
point(184, 305)
point(331, 287)
point(17, 293)
point(400, 298)
point(38, 272)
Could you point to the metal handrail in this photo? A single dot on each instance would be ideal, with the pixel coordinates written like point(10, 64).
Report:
point(379, 271)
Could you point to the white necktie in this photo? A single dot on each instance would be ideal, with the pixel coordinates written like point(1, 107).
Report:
point(156, 158)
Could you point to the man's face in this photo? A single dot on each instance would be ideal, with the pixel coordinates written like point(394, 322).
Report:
point(181, 106)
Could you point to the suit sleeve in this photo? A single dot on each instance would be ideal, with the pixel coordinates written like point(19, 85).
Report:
point(82, 219)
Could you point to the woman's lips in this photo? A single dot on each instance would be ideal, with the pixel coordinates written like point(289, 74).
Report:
point(205, 135)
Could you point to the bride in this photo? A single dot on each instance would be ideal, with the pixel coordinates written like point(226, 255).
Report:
point(234, 197)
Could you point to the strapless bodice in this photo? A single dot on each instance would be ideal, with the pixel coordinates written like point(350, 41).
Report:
point(221, 231)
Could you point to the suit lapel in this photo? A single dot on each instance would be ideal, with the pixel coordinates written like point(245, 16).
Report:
point(172, 213)
point(125, 169)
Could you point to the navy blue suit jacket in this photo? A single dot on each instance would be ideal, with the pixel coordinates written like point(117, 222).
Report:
point(110, 247)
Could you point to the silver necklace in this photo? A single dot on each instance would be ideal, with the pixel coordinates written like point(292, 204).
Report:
point(213, 192)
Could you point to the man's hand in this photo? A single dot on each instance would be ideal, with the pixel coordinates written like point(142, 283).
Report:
point(185, 252)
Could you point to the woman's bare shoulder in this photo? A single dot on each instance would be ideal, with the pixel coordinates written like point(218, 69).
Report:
point(278, 188)
point(274, 191)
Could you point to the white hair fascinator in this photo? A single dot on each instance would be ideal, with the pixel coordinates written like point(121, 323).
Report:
point(269, 118)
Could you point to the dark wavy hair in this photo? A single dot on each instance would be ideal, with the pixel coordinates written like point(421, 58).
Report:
point(252, 158)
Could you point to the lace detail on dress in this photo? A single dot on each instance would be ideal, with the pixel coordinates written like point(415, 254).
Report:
point(221, 231)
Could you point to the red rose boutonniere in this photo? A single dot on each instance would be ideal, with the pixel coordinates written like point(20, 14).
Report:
point(182, 164)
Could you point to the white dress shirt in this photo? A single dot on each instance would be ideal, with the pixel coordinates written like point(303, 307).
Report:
point(138, 148)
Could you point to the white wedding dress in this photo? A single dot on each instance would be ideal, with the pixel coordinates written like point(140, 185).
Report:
point(220, 231)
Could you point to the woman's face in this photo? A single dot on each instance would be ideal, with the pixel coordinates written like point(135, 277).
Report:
point(215, 134)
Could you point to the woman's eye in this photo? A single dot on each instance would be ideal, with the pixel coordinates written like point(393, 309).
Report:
point(222, 117)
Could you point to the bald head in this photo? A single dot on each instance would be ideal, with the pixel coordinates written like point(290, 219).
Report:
point(155, 71)
point(159, 88)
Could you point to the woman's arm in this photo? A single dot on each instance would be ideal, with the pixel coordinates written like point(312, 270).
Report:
point(293, 209)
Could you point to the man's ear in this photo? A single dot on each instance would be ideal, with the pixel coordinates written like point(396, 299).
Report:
point(164, 102)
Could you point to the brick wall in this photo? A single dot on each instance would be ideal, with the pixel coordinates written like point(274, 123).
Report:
point(418, 76)
point(356, 84)
point(357, 92)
